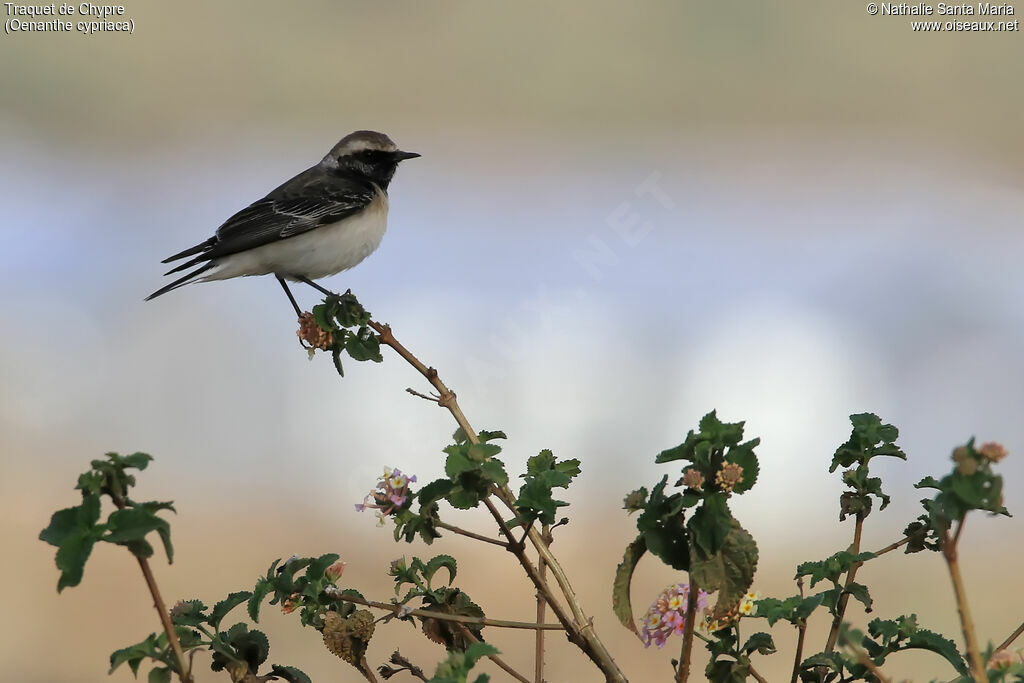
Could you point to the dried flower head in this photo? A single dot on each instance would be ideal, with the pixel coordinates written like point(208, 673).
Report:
point(312, 334)
point(291, 603)
point(667, 615)
point(693, 479)
point(992, 451)
point(727, 477)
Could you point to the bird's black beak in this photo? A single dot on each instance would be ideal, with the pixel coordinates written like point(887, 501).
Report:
point(402, 156)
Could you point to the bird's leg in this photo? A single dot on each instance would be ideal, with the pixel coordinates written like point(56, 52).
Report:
point(314, 285)
point(288, 292)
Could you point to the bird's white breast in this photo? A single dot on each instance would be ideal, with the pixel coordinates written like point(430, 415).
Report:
point(323, 251)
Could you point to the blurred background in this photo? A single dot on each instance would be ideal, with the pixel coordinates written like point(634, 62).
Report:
point(624, 217)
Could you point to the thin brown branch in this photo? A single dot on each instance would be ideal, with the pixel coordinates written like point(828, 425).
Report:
point(495, 658)
point(434, 399)
point(893, 546)
point(949, 552)
point(470, 534)
point(757, 677)
point(863, 658)
point(581, 631)
point(683, 672)
point(801, 632)
point(542, 570)
point(1009, 639)
point(184, 667)
point(440, 616)
point(844, 597)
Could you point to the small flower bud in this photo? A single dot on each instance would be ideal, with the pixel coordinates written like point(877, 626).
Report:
point(693, 479)
point(992, 451)
point(335, 571)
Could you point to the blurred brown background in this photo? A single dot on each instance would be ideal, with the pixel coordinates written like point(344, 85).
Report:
point(839, 232)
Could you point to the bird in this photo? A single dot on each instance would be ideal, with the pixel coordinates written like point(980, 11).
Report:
point(324, 220)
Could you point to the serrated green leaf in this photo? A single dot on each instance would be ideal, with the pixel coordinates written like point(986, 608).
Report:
point(663, 528)
point(730, 571)
point(189, 613)
point(159, 674)
point(221, 609)
point(134, 654)
point(290, 674)
point(621, 603)
point(438, 561)
point(761, 643)
point(743, 455)
point(710, 524)
point(363, 345)
point(315, 570)
point(463, 499)
point(494, 470)
point(482, 451)
point(434, 491)
point(457, 463)
point(336, 357)
point(860, 592)
point(259, 593)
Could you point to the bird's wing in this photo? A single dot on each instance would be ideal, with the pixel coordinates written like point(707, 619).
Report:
point(305, 202)
point(272, 219)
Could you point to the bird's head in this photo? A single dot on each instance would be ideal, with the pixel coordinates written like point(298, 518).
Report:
point(367, 153)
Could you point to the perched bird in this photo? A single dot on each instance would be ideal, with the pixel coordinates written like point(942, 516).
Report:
point(323, 221)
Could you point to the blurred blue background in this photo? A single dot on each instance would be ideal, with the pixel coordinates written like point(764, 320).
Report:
point(625, 216)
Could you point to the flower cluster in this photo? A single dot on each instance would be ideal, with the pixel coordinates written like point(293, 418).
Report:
point(992, 451)
point(1004, 659)
point(311, 333)
point(667, 615)
point(746, 608)
point(389, 496)
point(692, 479)
point(730, 475)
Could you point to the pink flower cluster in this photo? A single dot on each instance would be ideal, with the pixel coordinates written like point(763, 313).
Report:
point(389, 495)
point(667, 615)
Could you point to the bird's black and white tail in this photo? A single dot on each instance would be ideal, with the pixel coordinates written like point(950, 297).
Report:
point(182, 281)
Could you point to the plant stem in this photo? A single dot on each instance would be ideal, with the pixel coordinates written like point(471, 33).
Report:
point(949, 552)
point(440, 616)
point(1009, 639)
point(581, 633)
point(799, 656)
point(844, 597)
point(469, 534)
point(893, 546)
point(757, 677)
point(542, 570)
point(683, 672)
point(184, 670)
point(495, 658)
point(863, 658)
point(801, 630)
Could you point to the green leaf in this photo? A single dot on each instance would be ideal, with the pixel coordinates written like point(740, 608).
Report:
point(315, 570)
point(336, 357)
point(486, 436)
point(832, 567)
point(477, 651)
point(482, 451)
point(457, 463)
point(128, 527)
point(74, 531)
point(160, 674)
point(860, 592)
point(743, 455)
point(710, 524)
point(263, 588)
point(869, 438)
point(363, 345)
point(434, 491)
point(134, 654)
point(446, 561)
point(495, 472)
point(761, 643)
point(621, 603)
point(189, 613)
point(221, 609)
point(729, 571)
point(662, 525)
point(290, 674)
